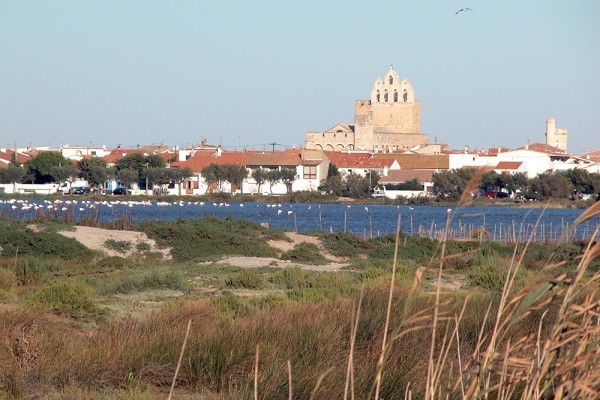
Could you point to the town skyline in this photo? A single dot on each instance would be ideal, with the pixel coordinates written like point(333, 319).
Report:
point(126, 74)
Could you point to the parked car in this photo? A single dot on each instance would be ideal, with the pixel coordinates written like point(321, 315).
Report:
point(120, 191)
point(496, 195)
point(80, 190)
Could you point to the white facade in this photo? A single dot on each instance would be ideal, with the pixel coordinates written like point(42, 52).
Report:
point(534, 162)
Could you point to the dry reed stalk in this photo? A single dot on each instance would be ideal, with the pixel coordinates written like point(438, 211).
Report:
point(319, 381)
point(429, 389)
point(256, 373)
point(185, 339)
point(473, 184)
point(349, 385)
point(290, 391)
point(387, 314)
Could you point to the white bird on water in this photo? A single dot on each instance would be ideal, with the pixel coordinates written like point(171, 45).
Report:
point(463, 10)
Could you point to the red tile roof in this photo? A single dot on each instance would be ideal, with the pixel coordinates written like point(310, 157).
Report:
point(357, 160)
point(8, 156)
point(508, 165)
point(418, 161)
point(399, 176)
point(542, 148)
point(199, 161)
point(592, 155)
point(287, 158)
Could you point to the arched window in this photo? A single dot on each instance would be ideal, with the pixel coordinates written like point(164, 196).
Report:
point(391, 80)
point(378, 98)
point(395, 96)
point(385, 96)
point(405, 96)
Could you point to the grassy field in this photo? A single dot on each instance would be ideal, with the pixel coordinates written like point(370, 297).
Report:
point(407, 317)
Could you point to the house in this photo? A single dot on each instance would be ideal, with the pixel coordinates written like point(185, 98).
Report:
point(311, 167)
point(396, 177)
point(196, 185)
point(7, 156)
point(360, 163)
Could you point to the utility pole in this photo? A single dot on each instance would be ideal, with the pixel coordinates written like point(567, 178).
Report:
point(273, 144)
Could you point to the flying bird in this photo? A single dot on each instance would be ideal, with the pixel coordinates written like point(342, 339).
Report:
point(463, 9)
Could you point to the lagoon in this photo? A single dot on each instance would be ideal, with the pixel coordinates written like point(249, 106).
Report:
point(367, 220)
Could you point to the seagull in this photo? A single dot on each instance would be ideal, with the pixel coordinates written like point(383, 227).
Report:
point(463, 9)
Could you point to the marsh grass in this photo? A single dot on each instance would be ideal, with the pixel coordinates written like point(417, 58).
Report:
point(120, 246)
point(70, 297)
point(305, 253)
point(533, 335)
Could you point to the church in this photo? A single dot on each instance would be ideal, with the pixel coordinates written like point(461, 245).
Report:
point(389, 122)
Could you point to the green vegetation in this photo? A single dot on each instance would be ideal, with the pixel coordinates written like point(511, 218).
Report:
point(209, 237)
point(78, 325)
point(305, 253)
point(120, 246)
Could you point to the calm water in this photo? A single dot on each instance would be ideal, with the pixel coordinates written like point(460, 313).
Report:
point(360, 219)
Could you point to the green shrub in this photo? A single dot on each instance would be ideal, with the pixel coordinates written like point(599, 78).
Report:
point(143, 247)
point(33, 269)
point(15, 236)
point(120, 246)
point(114, 262)
point(71, 297)
point(210, 237)
point(247, 279)
point(306, 253)
point(127, 283)
point(232, 306)
point(344, 244)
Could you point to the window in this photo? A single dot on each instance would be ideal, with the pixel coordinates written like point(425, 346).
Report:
point(391, 80)
point(93, 152)
point(310, 172)
point(385, 96)
point(395, 96)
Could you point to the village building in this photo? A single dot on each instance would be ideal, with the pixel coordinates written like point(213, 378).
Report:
point(389, 121)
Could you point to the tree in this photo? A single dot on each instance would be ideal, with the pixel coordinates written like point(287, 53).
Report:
point(235, 175)
point(179, 175)
point(94, 170)
point(214, 175)
point(288, 176)
point(155, 161)
point(66, 173)
point(373, 177)
point(12, 174)
point(41, 165)
point(332, 185)
point(583, 181)
point(516, 182)
point(449, 185)
point(356, 186)
point(273, 176)
point(549, 185)
point(134, 161)
point(127, 176)
point(154, 176)
point(260, 176)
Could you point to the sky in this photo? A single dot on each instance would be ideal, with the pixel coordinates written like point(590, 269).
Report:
point(249, 74)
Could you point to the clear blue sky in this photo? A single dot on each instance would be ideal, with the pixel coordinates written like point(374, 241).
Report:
point(255, 72)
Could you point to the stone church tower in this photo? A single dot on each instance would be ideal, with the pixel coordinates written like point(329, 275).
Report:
point(555, 136)
point(389, 121)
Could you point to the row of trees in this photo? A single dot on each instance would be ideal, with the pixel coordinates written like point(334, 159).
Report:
point(449, 185)
point(50, 167)
point(215, 175)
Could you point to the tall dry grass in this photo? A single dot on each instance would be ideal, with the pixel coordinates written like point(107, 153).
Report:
point(386, 342)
